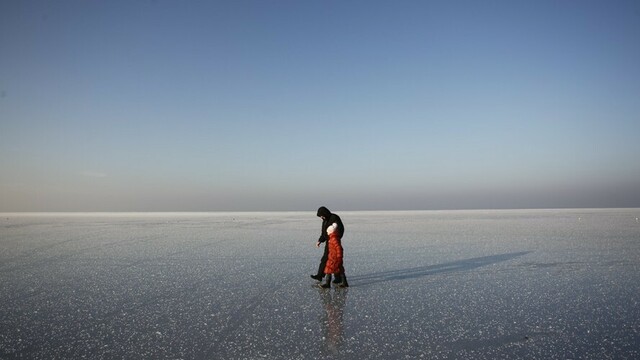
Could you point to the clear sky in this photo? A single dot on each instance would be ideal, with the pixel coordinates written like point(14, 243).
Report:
point(288, 105)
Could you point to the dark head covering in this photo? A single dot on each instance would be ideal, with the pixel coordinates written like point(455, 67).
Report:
point(323, 211)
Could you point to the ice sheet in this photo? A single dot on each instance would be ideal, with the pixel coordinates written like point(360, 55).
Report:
point(533, 284)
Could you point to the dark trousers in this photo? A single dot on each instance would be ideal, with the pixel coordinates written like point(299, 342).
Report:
point(323, 260)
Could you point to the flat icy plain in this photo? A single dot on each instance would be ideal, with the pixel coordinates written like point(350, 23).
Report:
point(528, 284)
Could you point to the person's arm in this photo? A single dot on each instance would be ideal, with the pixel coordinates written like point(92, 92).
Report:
point(330, 230)
point(323, 237)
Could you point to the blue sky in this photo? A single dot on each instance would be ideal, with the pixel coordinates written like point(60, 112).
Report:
point(289, 105)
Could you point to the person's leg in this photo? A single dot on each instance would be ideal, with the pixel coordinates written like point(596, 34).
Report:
point(323, 262)
point(342, 280)
point(327, 283)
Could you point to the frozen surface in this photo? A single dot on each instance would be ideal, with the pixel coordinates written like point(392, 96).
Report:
point(544, 284)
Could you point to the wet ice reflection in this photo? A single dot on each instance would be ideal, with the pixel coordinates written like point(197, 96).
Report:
point(333, 302)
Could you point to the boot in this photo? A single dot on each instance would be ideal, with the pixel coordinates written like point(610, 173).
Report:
point(344, 282)
point(327, 283)
point(317, 277)
point(337, 279)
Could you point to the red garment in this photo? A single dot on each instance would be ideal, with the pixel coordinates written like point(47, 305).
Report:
point(334, 261)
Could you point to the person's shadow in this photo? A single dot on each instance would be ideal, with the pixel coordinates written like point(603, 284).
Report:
point(420, 271)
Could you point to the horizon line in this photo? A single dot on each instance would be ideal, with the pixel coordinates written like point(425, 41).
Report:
point(298, 211)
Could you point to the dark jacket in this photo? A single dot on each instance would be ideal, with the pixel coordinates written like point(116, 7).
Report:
point(329, 219)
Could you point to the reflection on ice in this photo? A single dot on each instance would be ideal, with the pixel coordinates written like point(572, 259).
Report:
point(333, 302)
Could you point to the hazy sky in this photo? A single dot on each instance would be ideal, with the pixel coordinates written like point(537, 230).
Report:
point(289, 105)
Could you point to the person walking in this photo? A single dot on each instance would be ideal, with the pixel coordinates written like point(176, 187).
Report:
point(331, 262)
